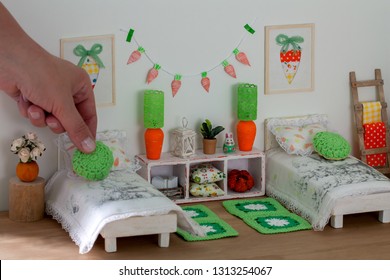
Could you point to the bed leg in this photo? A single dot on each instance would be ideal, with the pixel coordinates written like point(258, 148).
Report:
point(384, 216)
point(163, 239)
point(336, 221)
point(110, 244)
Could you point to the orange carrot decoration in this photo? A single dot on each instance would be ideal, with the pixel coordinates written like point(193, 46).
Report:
point(175, 85)
point(153, 73)
point(205, 81)
point(135, 55)
point(229, 69)
point(241, 57)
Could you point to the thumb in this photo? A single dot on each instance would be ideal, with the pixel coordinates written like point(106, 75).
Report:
point(79, 132)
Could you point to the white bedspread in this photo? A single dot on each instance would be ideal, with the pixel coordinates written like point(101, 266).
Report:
point(311, 185)
point(85, 207)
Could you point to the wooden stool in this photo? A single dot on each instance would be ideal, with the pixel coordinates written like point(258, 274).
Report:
point(26, 200)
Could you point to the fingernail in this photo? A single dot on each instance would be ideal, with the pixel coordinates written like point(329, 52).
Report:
point(52, 124)
point(35, 115)
point(88, 145)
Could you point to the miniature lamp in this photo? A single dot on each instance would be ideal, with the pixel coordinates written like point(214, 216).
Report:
point(183, 141)
point(247, 113)
point(153, 122)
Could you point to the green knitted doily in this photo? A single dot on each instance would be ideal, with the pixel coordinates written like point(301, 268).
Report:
point(331, 145)
point(214, 227)
point(266, 215)
point(94, 166)
point(277, 223)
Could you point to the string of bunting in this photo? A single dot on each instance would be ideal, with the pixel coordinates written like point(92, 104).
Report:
point(176, 82)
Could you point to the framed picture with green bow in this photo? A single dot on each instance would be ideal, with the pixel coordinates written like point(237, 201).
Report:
point(289, 58)
point(95, 54)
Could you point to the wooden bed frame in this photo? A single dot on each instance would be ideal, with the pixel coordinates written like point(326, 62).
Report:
point(348, 205)
point(162, 225)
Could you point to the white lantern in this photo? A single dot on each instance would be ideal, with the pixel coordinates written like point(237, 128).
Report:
point(183, 141)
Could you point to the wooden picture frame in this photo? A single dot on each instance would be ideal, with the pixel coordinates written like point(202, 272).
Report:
point(289, 58)
point(101, 71)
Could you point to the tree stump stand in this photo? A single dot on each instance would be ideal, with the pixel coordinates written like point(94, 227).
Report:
point(26, 200)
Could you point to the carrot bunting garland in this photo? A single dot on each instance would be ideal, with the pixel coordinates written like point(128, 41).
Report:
point(176, 83)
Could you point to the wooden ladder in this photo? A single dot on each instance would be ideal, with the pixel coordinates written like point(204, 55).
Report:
point(358, 109)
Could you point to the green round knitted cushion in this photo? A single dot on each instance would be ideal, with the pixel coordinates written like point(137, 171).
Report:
point(331, 145)
point(94, 166)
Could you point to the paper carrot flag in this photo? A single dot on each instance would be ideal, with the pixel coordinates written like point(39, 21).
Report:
point(176, 84)
point(229, 69)
point(153, 73)
point(90, 61)
point(241, 57)
point(290, 55)
point(205, 81)
point(135, 55)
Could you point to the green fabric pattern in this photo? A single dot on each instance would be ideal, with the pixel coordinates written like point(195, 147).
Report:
point(266, 215)
point(243, 208)
point(214, 226)
point(278, 223)
point(94, 166)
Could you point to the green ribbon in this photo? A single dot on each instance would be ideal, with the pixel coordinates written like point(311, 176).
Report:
point(93, 52)
point(285, 42)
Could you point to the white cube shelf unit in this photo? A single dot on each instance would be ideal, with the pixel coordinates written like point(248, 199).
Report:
point(169, 165)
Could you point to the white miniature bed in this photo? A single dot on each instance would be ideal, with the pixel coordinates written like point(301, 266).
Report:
point(346, 196)
point(123, 204)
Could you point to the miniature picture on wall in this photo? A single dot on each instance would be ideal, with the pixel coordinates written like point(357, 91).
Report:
point(95, 54)
point(289, 58)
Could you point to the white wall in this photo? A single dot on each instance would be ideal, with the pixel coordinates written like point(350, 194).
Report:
point(191, 36)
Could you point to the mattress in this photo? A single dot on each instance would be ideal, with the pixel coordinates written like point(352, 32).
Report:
point(311, 185)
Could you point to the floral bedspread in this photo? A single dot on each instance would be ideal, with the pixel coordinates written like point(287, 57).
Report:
point(311, 185)
point(84, 207)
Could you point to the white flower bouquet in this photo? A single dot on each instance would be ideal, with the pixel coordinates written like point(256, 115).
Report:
point(28, 147)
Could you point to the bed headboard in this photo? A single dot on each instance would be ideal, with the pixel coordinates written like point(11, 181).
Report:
point(269, 139)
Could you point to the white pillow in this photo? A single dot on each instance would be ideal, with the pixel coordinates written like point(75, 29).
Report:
point(295, 135)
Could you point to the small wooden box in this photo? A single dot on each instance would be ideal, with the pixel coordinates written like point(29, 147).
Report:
point(26, 200)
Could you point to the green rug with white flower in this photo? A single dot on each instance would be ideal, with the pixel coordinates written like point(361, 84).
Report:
point(266, 215)
point(214, 227)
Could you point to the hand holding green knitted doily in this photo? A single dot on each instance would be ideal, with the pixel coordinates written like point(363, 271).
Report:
point(94, 166)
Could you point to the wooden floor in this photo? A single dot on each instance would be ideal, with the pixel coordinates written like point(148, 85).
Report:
point(363, 237)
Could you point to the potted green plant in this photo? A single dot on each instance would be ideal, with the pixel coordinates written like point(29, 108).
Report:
point(209, 134)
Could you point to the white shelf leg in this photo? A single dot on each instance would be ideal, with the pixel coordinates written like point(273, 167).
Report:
point(336, 221)
point(163, 239)
point(110, 244)
point(384, 216)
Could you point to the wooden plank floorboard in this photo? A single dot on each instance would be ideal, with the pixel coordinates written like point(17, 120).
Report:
point(363, 237)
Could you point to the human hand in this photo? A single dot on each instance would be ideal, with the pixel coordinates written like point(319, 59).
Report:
point(49, 91)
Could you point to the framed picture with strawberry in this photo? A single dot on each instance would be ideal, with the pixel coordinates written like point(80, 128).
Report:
point(95, 54)
point(289, 58)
